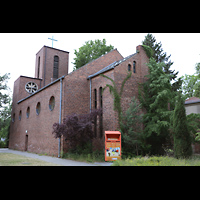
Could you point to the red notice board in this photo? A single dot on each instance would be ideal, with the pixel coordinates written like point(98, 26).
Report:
point(112, 145)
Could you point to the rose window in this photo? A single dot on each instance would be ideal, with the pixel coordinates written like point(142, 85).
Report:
point(31, 87)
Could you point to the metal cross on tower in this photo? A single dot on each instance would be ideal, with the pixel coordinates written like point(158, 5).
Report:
point(52, 40)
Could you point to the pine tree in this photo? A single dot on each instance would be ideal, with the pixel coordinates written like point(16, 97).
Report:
point(182, 138)
point(155, 95)
point(161, 56)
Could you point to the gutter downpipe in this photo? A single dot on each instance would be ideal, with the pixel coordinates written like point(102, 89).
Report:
point(60, 115)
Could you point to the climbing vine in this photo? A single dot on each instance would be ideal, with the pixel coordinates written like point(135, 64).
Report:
point(117, 95)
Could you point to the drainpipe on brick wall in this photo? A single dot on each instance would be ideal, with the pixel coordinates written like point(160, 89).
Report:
point(60, 115)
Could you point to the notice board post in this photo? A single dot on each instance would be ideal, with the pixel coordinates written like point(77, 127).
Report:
point(112, 145)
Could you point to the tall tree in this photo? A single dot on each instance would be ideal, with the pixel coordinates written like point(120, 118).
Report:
point(182, 138)
point(4, 98)
point(191, 83)
point(155, 95)
point(90, 51)
point(160, 56)
point(5, 119)
point(5, 110)
point(188, 85)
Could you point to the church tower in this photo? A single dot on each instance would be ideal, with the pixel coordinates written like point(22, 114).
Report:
point(51, 64)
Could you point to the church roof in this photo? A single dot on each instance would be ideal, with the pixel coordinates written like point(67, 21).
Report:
point(192, 100)
point(111, 66)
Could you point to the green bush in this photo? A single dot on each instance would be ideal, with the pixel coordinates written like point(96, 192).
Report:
point(2, 144)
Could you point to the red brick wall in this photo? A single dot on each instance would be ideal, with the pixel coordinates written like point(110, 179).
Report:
point(109, 115)
point(75, 100)
point(131, 86)
point(77, 86)
point(47, 74)
point(39, 127)
point(19, 91)
point(118, 74)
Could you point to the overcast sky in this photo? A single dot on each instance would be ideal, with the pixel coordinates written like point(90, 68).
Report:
point(18, 50)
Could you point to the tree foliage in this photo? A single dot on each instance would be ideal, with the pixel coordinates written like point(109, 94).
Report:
point(148, 50)
point(5, 110)
point(182, 138)
point(131, 130)
point(160, 56)
point(193, 121)
point(4, 98)
point(76, 129)
point(191, 83)
point(155, 95)
point(90, 51)
point(5, 124)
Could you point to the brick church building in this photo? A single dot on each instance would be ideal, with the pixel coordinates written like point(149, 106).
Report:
point(46, 98)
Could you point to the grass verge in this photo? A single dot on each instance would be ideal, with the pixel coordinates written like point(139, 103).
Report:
point(158, 161)
point(9, 159)
point(91, 157)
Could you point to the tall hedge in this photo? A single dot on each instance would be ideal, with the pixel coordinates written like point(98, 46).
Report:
point(182, 138)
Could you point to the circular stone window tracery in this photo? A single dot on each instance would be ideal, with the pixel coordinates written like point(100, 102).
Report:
point(31, 87)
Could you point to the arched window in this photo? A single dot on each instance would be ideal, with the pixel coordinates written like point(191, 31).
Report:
point(134, 67)
point(55, 67)
point(52, 103)
point(38, 108)
point(38, 73)
point(28, 112)
point(13, 118)
point(100, 97)
point(129, 67)
point(95, 99)
point(95, 107)
point(101, 116)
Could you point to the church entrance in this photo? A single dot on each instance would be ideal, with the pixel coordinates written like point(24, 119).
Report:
point(26, 143)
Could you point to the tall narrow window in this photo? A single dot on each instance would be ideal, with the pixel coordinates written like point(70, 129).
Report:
point(51, 103)
point(13, 118)
point(38, 72)
point(55, 67)
point(101, 116)
point(38, 108)
point(95, 107)
point(28, 112)
point(95, 99)
point(134, 67)
point(20, 115)
point(129, 67)
point(100, 97)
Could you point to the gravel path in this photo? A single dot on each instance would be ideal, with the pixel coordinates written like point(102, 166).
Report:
point(59, 161)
